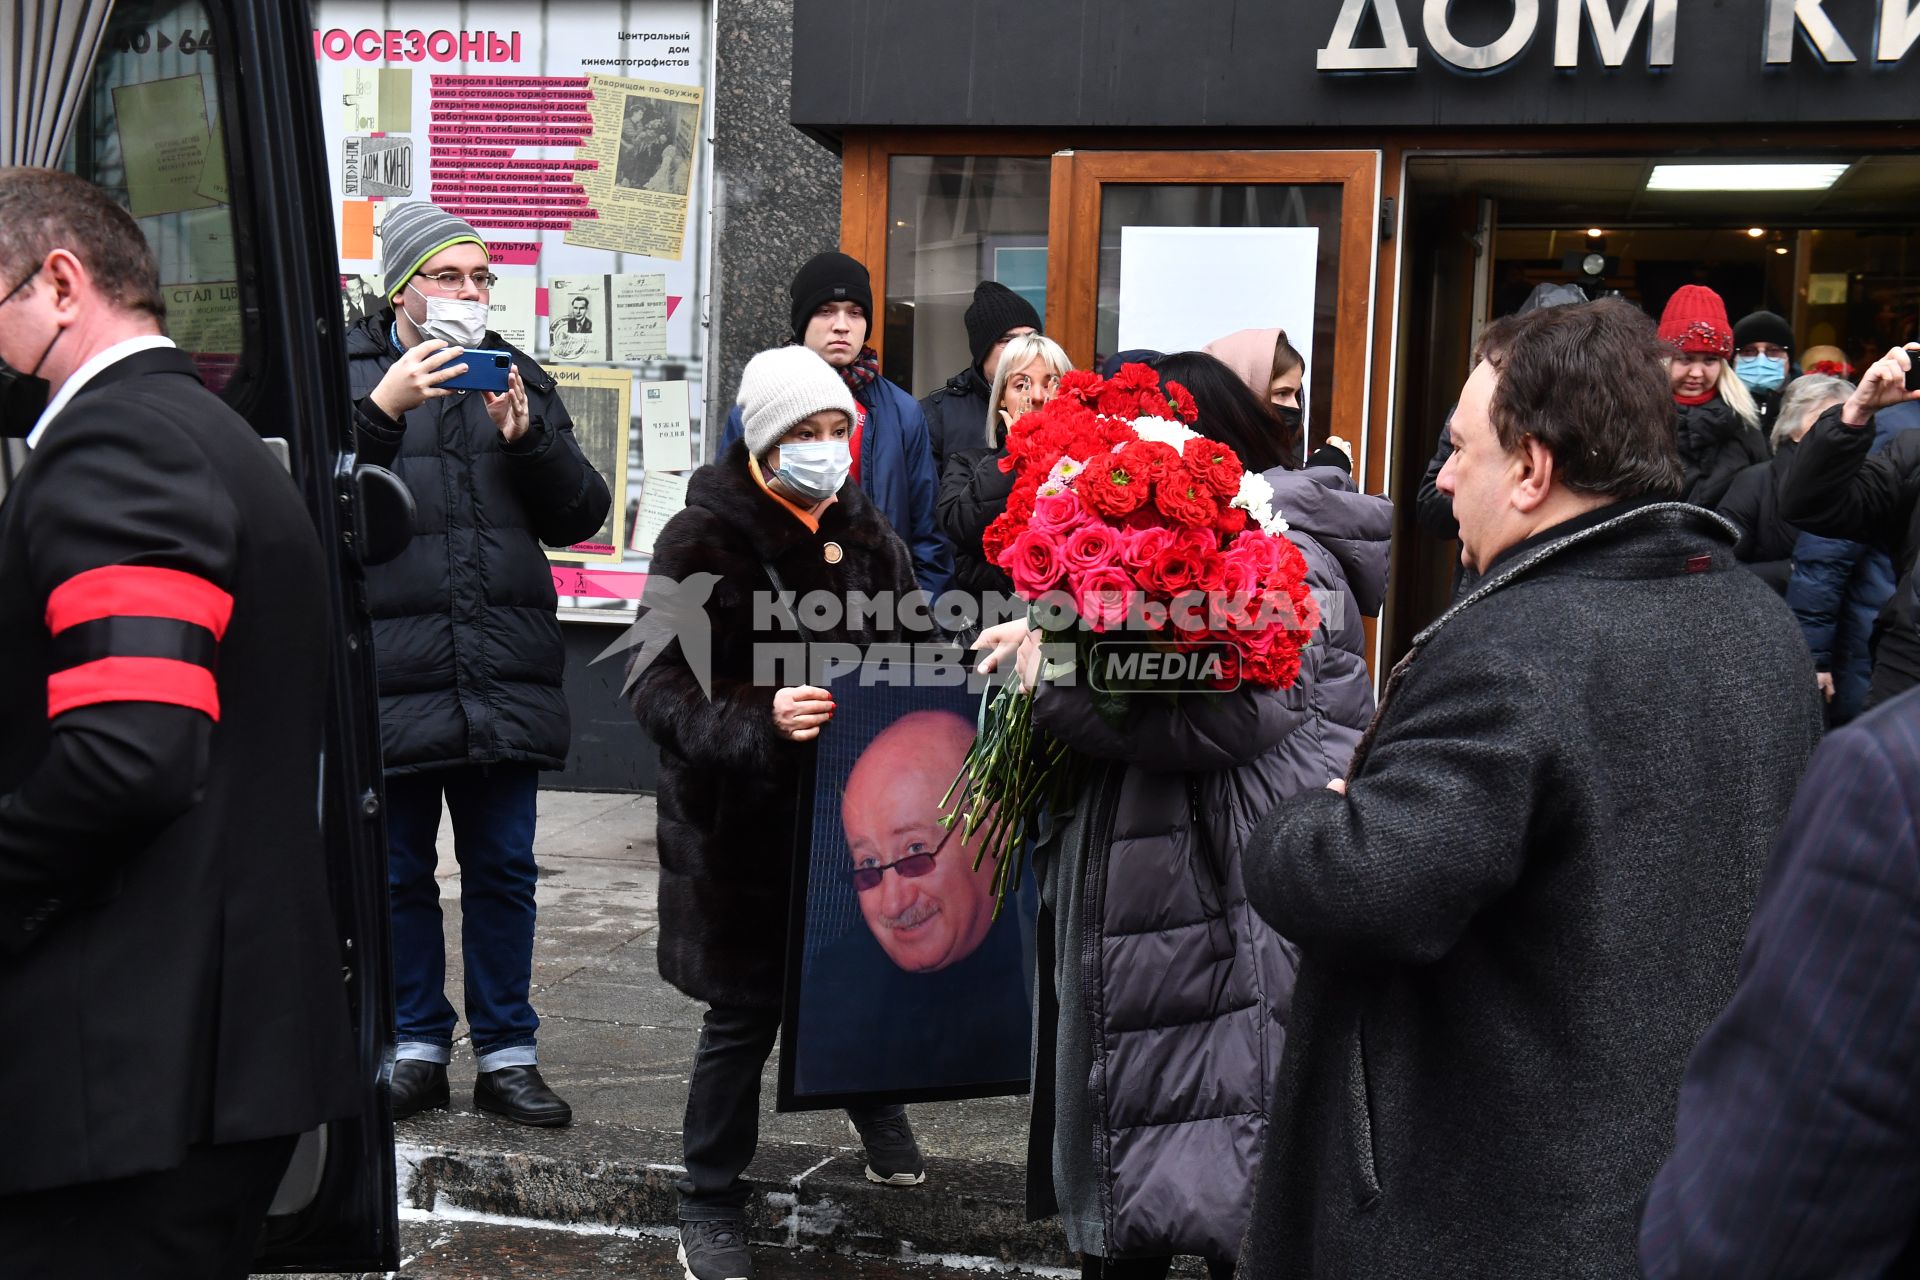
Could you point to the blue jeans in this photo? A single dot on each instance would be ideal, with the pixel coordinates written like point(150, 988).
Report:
point(493, 810)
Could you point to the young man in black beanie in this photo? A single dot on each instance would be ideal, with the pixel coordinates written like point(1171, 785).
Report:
point(1763, 360)
point(957, 411)
point(892, 461)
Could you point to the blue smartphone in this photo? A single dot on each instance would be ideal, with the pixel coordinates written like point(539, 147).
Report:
point(486, 370)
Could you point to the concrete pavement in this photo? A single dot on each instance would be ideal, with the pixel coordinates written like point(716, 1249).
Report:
point(617, 1042)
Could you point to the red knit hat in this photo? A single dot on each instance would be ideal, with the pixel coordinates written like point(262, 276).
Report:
point(1696, 321)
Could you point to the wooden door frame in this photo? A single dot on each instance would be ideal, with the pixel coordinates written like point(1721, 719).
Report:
point(1073, 239)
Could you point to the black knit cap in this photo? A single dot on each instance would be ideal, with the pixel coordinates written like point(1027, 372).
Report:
point(1763, 326)
point(995, 310)
point(829, 277)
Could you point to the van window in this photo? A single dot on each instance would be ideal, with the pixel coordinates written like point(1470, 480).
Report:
point(151, 134)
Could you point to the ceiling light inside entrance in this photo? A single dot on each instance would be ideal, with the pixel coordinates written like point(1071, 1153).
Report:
point(1745, 177)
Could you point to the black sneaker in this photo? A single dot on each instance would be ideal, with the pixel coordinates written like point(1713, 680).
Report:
point(893, 1157)
point(715, 1250)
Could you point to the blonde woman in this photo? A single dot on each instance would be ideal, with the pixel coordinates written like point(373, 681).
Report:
point(973, 489)
point(1719, 425)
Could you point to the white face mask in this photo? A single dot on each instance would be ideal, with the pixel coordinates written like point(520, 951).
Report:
point(815, 469)
point(454, 321)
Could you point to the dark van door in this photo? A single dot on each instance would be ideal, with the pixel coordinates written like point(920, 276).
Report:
point(202, 117)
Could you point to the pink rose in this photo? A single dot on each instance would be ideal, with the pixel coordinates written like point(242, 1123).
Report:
point(1056, 513)
point(1032, 560)
point(1089, 547)
point(1141, 547)
point(1102, 595)
point(1260, 550)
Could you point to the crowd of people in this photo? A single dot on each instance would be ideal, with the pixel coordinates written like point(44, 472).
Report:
point(1421, 988)
point(1574, 953)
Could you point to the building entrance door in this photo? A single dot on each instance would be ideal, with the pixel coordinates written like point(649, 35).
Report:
point(1118, 276)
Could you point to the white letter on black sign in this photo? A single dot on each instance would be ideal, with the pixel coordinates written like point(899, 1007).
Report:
point(1782, 15)
point(1481, 57)
point(1899, 28)
point(1614, 38)
point(1394, 53)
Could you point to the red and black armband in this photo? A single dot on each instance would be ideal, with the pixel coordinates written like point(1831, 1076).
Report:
point(135, 633)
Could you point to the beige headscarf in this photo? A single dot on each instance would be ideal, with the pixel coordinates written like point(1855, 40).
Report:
point(1249, 353)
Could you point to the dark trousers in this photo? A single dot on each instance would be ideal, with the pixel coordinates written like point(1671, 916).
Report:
point(493, 810)
point(723, 1110)
point(199, 1221)
point(1143, 1269)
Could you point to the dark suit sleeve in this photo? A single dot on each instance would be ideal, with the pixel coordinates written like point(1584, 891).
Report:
point(131, 546)
point(376, 436)
point(1838, 491)
point(1434, 827)
point(1797, 1146)
point(1432, 508)
point(566, 497)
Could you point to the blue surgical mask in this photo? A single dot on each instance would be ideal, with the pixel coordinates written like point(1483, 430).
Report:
point(1760, 373)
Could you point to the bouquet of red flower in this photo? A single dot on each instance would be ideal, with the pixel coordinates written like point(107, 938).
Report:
point(1124, 521)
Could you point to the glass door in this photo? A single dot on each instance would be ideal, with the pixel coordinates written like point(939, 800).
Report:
point(1170, 249)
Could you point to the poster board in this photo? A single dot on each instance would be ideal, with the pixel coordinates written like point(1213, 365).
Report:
point(1182, 287)
point(908, 989)
point(600, 401)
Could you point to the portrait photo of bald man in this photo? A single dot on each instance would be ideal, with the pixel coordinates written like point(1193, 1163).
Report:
point(908, 985)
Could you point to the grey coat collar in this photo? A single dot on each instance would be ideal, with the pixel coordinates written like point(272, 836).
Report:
point(1506, 575)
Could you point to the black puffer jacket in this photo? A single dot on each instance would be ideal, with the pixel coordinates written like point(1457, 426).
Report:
point(1753, 503)
point(956, 413)
point(729, 782)
point(973, 493)
point(464, 632)
point(1715, 446)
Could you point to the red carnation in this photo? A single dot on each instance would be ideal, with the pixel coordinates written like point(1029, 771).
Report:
point(1109, 488)
point(1231, 523)
point(1185, 499)
point(1181, 402)
point(1081, 385)
point(1214, 465)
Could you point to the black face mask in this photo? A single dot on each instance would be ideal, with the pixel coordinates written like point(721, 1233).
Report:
point(1289, 415)
point(24, 396)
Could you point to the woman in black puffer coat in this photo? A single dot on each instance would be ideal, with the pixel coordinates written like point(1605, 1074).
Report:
point(973, 488)
point(1718, 428)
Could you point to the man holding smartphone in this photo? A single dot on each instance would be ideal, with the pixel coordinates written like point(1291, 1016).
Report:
point(469, 650)
point(1839, 488)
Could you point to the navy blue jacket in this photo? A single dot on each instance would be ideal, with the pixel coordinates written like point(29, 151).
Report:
point(896, 471)
point(1797, 1147)
point(1838, 589)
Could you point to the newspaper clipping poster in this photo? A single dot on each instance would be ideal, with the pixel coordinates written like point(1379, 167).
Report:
point(666, 435)
point(662, 497)
point(600, 404)
point(164, 138)
point(607, 318)
point(643, 139)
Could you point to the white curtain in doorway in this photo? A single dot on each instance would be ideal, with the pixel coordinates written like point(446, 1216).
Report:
point(47, 51)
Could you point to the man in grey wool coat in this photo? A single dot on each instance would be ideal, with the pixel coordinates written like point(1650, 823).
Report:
point(1527, 899)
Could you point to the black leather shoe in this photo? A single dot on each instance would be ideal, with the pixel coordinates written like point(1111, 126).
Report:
point(417, 1086)
point(520, 1095)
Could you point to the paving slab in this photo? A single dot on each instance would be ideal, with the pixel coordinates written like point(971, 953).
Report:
point(442, 1249)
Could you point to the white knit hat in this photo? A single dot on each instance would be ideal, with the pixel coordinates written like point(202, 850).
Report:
point(784, 386)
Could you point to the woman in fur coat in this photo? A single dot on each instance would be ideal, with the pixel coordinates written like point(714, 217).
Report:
point(776, 513)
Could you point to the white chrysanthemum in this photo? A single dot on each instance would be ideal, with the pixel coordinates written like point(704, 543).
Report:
point(1163, 431)
point(1255, 496)
point(1274, 525)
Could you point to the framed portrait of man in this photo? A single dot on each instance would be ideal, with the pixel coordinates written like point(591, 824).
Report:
point(902, 986)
